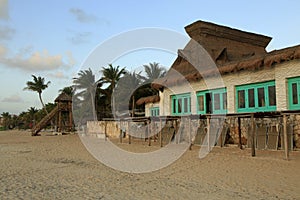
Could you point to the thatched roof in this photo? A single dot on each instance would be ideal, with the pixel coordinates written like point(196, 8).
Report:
point(229, 51)
point(149, 99)
point(63, 97)
point(187, 72)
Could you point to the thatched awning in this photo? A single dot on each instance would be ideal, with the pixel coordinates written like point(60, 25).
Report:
point(189, 73)
point(63, 97)
point(150, 99)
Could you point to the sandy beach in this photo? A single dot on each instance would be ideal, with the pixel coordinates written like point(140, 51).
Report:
point(59, 167)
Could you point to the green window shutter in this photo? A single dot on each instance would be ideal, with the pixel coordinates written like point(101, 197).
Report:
point(256, 97)
point(294, 93)
point(217, 105)
point(154, 111)
point(181, 104)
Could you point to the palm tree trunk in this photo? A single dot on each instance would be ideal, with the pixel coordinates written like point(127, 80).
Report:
point(40, 96)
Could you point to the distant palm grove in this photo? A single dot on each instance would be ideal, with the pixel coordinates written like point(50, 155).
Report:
point(112, 95)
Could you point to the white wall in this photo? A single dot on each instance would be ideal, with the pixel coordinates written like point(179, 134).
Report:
point(279, 73)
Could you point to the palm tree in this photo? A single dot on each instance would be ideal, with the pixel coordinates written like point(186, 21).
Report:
point(6, 119)
point(68, 90)
point(153, 71)
point(86, 82)
point(38, 85)
point(127, 89)
point(111, 75)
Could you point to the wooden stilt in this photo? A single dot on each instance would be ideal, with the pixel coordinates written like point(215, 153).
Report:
point(190, 129)
point(160, 133)
point(105, 130)
point(149, 132)
point(252, 135)
point(128, 132)
point(121, 132)
point(285, 136)
point(208, 132)
point(240, 133)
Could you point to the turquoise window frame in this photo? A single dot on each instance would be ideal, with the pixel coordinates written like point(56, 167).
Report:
point(255, 87)
point(154, 111)
point(185, 100)
point(292, 105)
point(222, 109)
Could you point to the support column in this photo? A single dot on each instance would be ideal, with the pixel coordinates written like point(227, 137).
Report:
point(252, 135)
point(285, 136)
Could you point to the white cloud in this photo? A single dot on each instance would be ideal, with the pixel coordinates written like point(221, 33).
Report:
point(81, 16)
point(13, 99)
point(4, 10)
point(35, 61)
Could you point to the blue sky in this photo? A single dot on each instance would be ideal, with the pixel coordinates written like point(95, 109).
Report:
point(53, 38)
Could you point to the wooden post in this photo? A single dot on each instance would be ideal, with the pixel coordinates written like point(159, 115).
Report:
point(59, 118)
point(105, 130)
point(208, 132)
point(70, 116)
point(160, 133)
point(121, 132)
point(149, 132)
point(240, 133)
point(128, 132)
point(252, 135)
point(190, 129)
point(285, 136)
point(175, 131)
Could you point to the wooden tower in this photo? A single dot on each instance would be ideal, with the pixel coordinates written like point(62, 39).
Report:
point(64, 113)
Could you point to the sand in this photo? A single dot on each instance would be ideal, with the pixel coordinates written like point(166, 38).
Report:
point(59, 167)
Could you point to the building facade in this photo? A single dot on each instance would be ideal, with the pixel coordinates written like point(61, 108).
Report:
point(246, 78)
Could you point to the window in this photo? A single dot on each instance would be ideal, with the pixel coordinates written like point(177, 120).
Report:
point(294, 93)
point(212, 101)
point(181, 104)
point(154, 111)
point(256, 97)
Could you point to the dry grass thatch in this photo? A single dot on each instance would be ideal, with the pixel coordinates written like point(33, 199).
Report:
point(189, 73)
point(149, 99)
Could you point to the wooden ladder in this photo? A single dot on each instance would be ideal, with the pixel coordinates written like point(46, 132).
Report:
point(43, 123)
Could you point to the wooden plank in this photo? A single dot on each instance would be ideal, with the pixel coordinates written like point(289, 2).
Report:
point(252, 135)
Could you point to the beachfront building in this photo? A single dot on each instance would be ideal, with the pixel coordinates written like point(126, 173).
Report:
point(246, 78)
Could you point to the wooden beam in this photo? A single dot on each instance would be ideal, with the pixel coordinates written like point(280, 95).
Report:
point(240, 133)
point(128, 132)
point(160, 133)
point(208, 132)
point(285, 136)
point(190, 129)
point(149, 132)
point(252, 135)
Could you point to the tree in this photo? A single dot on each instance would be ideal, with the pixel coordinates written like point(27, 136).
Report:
point(87, 84)
point(111, 75)
point(38, 85)
point(153, 71)
point(6, 119)
point(68, 90)
point(127, 89)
